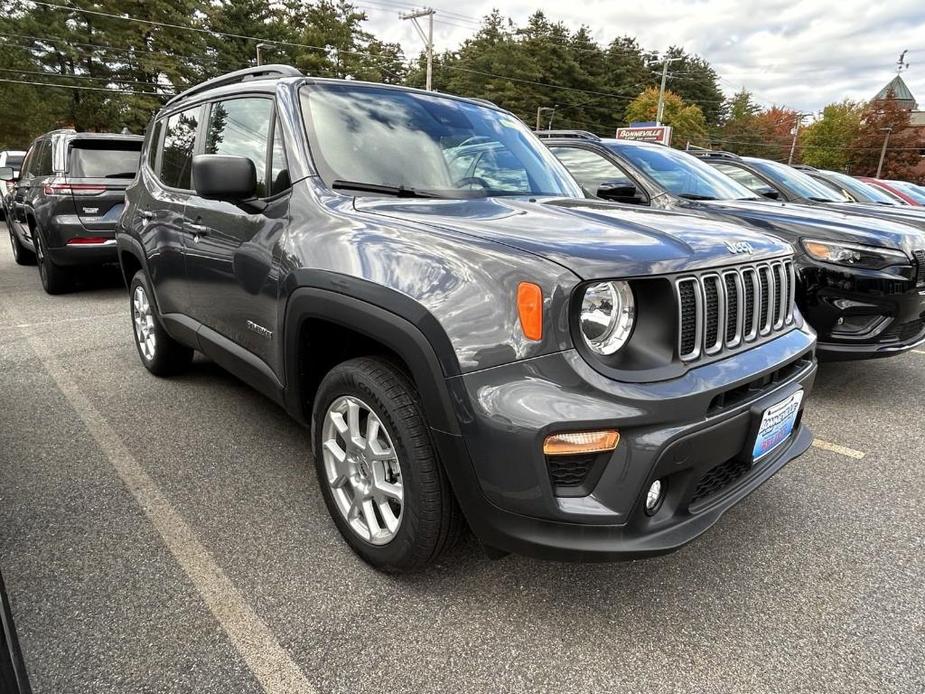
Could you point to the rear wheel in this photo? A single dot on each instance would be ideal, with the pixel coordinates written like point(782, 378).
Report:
point(160, 353)
point(378, 470)
point(55, 279)
point(21, 254)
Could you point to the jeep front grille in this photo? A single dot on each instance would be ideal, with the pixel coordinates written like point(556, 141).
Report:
point(723, 309)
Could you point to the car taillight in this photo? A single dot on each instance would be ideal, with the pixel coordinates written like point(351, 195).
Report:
point(73, 189)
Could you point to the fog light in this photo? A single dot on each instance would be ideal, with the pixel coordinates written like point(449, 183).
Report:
point(654, 497)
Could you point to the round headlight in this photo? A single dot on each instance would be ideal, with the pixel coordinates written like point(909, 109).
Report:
point(607, 315)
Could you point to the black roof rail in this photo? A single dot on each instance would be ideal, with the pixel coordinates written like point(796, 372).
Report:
point(714, 153)
point(577, 134)
point(804, 167)
point(249, 73)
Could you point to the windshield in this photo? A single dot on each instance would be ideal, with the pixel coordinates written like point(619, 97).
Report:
point(102, 159)
point(915, 192)
point(860, 191)
point(801, 184)
point(410, 141)
point(682, 174)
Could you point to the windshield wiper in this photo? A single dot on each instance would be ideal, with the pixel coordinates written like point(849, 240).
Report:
point(397, 191)
point(821, 199)
point(694, 196)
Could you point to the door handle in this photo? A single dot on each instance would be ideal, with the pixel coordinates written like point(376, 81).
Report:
point(198, 230)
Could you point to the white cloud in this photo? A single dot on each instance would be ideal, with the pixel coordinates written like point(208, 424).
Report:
point(798, 54)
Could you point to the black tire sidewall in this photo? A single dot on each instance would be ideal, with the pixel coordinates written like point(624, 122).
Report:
point(411, 548)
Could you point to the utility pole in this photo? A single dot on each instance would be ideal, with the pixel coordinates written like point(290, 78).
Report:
point(886, 140)
point(427, 37)
point(260, 57)
point(540, 110)
point(796, 129)
point(661, 92)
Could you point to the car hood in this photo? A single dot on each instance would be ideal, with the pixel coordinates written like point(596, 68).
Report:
point(594, 239)
point(913, 216)
point(820, 221)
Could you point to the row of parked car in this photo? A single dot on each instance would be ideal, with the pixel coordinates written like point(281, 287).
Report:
point(577, 347)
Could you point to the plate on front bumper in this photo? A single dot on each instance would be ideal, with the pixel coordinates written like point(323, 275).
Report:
point(776, 425)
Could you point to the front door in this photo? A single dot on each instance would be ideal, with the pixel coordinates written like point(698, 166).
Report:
point(231, 270)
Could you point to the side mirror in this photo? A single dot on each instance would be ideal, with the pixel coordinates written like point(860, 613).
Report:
point(619, 191)
point(7, 173)
point(769, 193)
point(221, 177)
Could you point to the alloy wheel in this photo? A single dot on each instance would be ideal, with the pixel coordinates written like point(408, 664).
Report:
point(362, 470)
point(143, 318)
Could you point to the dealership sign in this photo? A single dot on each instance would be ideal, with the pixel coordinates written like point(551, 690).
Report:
point(646, 133)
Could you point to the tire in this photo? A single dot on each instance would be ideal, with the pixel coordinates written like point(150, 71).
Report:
point(159, 352)
point(21, 254)
point(55, 279)
point(429, 519)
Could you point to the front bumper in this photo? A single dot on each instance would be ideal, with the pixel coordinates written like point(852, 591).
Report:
point(861, 314)
point(689, 432)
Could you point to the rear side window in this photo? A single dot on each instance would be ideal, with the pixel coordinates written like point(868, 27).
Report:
point(153, 144)
point(42, 166)
point(177, 155)
point(104, 159)
point(241, 127)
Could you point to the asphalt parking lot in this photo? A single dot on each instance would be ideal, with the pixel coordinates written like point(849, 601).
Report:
point(168, 536)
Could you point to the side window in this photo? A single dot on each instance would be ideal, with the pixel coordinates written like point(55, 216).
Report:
point(177, 154)
point(241, 127)
point(153, 144)
point(746, 178)
point(279, 164)
point(26, 170)
point(590, 168)
point(43, 164)
point(502, 171)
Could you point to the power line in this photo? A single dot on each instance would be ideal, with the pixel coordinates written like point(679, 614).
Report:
point(81, 87)
point(86, 77)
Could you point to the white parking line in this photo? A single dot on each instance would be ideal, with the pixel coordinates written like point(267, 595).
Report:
point(835, 448)
point(917, 351)
point(39, 324)
point(266, 658)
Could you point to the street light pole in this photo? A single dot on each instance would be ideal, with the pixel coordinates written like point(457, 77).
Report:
point(661, 92)
point(260, 57)
point(540, 110)
point(886, 141)
point(427, 37)
point(796, 129)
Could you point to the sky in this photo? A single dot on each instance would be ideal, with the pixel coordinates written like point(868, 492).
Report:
point(801, 55)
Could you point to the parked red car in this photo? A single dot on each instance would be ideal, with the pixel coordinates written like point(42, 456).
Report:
point(891, 188)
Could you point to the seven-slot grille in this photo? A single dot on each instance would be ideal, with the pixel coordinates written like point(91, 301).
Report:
point(722, 309)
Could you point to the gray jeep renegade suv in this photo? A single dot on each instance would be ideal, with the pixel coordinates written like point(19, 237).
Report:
point(468, 337)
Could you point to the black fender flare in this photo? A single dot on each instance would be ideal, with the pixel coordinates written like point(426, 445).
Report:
point(381, 314)
point(126, 244)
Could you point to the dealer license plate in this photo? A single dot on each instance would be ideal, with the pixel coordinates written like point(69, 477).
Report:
point(776, 425)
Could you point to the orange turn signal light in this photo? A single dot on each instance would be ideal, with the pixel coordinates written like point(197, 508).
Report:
point(581, 442)
point(530, 310)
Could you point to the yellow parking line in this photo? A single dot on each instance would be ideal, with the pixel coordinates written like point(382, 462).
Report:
point(841, 450)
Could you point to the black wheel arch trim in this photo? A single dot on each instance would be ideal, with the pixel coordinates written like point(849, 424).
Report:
point(384, 315)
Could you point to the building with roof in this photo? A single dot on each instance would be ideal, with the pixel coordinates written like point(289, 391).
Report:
point(897, 89)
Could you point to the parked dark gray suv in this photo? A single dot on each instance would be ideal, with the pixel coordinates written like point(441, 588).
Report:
point(67, 200)
point(467, 340)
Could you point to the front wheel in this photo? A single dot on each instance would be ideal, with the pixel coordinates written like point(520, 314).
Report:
point(55, 279)
point(160, 353)
point(378, 470)
point(21, 254)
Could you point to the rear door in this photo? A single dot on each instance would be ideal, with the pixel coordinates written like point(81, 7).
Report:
point(98, 172)
point(229, 261)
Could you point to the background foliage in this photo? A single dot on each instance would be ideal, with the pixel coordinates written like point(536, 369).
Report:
point(126, 65)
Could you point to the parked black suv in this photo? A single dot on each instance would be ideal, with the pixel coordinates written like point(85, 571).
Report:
point(860, 280)
point(581, 379)
point(13, 160)
point(67, 201)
